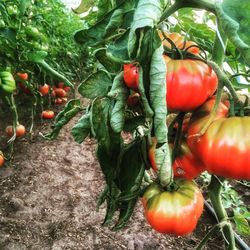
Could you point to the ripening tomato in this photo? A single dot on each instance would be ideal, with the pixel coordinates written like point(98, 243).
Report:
point(173, 212)
point(48, 114)
point(20, 130)
point(189, 83)
point(58, 101)
point(1, 159)
point(44, 90)
point(131, 76)
point(151, 154)
point(225, 147)
point(23, 76)
point(67, 88)
point(187, 165)
point(60, 92)
point(179, 42)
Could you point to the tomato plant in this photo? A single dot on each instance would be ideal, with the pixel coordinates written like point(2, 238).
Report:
point(163, 213)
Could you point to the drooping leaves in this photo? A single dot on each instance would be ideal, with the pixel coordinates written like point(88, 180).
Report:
point(72, 108)
point(147, 15)
point(82, 128)
point(235, 21)
point(97, 84)
point(158, 94)
point(106, 27)
point(119, 91)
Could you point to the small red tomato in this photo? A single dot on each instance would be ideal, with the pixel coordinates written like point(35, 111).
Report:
point(67, 88)
point(131, 76)
point(44, 90)
point(20, 130)
point(1, 159)
point(23, 76)
point(60, 92)
point(60, 85)
point(48, 114)
point(58, 100)
point(24, 88)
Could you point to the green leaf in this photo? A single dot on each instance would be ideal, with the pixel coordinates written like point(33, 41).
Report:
point(9, 34)
point(235, 21)
point(242, 225)
point(158, 94)
point(118, 51)
point(37, 56)
point(82, 128)
point(24, 4)
point(109, 64)
point(81, 8)
point(106, 27)
point(97, 84)
point(131, 168)
point(104, 6)
point(72, 108)
point(147, 14)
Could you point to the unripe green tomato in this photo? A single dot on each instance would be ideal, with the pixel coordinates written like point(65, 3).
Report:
point(12, 10)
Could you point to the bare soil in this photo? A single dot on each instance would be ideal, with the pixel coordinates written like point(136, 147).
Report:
point(48, 201)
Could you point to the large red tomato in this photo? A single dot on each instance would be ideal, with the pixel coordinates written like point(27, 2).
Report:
point(189, 83)
point(225, 147)
point(173, 212)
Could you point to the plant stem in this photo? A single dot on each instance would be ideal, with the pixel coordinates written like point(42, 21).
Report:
point(214, 191)
point(209, 234)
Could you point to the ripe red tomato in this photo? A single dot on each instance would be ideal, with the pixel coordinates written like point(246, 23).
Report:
point(58, 101)
point(1, 159)
point(225, 147)
point(189, 83)
point(48, 114)
point(66, 88)
point(44, 90)
point(187, 165)
point(23, 76)
point(60, 92)
point(60, 85)
point(175, 212)
point(131, 76)
point(20, 130)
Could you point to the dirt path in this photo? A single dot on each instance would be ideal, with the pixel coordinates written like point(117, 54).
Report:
point(48, 198)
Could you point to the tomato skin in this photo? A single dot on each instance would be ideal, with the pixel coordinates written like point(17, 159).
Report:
point(44, 90)
point(67, 88)
point(48, 114)
point(60, 92)
point(23, 76)
point(186, 164)
point(60, 85)
point(131, 76)
point(225, 147)
point(175, 212)
point(20, 130)
point(189, 83)
point(1, 159)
